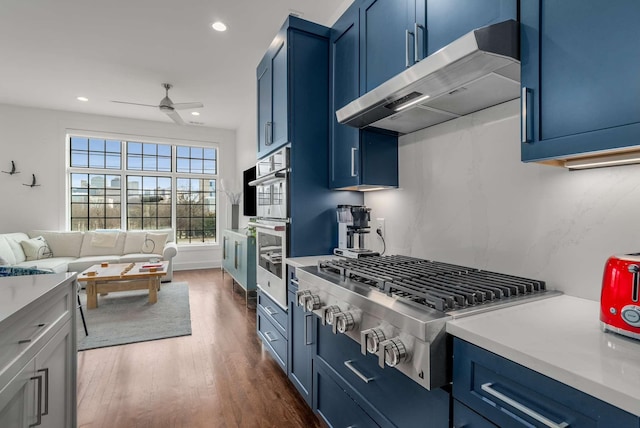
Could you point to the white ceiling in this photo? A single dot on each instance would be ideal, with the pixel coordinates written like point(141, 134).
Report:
point(52, 51)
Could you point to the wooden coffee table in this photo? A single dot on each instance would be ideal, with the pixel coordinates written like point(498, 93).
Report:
point(121, 277)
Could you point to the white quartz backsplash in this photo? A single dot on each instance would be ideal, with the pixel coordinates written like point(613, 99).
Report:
point(465, 197)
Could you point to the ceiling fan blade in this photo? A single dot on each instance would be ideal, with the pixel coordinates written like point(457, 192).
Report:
point(135, 104)
point(184, 106)
point(175, 117)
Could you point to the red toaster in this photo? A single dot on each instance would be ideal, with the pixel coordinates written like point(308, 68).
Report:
point(619, 305)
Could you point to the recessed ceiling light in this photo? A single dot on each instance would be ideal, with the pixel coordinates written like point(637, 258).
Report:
point(219, 26)
point(195, 113)
point(84, 99)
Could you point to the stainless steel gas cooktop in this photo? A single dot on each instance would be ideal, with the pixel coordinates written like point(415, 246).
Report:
point(397, 306)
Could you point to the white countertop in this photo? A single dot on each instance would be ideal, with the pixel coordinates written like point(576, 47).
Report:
point(17, 292)
point(309, 260)
point(560, 337)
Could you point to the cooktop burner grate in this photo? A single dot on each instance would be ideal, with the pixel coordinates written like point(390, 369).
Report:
point(442, 286)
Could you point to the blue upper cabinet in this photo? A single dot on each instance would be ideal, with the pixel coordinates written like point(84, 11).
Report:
point(580, 73)
point(448, 20)
point(355, 161)
point(275, 85)
point(388, 39)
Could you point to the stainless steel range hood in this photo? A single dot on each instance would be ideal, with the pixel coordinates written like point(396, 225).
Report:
point(478, 70)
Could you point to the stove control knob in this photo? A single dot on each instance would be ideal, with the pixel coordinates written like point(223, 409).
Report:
point(370, 340)
point(329, 314)
point(312, 303)
point(344, 321)
point(302, 296)
point(392, 352)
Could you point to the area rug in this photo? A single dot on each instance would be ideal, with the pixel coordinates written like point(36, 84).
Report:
point(128, 317)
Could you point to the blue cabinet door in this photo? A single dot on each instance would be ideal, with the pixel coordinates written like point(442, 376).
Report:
point(355, 155)
point(448, 20)
point(273, 106)
point(387, 40)
point(580, 72)
point(300, 348)
point(264, 105)
point(345, 140)
point(280, 105)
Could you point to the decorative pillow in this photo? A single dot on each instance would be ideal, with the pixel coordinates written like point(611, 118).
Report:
point(3, 262)
point(36, 248)
point(154, 243)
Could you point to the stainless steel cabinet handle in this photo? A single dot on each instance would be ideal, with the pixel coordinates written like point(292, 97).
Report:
point(38, 379)
point(349, 365)
point(224, 248)
point(406, 48)
point(353, 161)
point(235, 254)
point(23, 341)
point(524, 115)
point(416, 41)
point(268, 139)
point(46, 391)
point(486, 387)
point(307, 317)
point(294, 282)
point(270, 310)
point(269, 337)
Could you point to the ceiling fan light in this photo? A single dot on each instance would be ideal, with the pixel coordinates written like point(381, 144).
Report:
point(219, 26)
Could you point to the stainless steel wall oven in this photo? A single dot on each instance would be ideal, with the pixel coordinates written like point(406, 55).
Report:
point(272, 234)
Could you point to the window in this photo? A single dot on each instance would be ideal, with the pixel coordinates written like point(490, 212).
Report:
point(117, 184)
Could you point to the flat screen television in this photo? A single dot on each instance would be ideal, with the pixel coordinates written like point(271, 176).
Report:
point(249, 192)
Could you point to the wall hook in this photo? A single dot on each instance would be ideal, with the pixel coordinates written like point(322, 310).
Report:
point(13, 169)
point(33, 182)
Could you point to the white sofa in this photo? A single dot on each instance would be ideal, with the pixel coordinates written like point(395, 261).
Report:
point(77, 251)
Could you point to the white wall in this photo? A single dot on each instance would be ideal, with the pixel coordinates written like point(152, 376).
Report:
point(466, 198)
point(35, 140)
point(246, 147)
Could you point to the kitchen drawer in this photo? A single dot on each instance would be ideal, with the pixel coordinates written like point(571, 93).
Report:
point(276, 314)
point(271, 338)
point(391, 395)
point(29, 327)
point(467, 418)
point(501, 391)
point(333, 404)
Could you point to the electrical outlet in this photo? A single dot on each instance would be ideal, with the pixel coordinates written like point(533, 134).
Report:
point(379, 224)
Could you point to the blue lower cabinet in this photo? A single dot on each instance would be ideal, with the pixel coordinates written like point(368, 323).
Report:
point(301, 343)
point(389, 397)
point(277, 315)
point(510, 395)
point(272, 334)
point(334, 405)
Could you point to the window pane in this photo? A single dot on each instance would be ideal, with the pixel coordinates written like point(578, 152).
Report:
point(164, 164)
point(209, 154)
point(164, 150)
point(79, 143)
point(209, 167)
point(195, 210)
point(182, 152)
point(95, 201)
point(93, 153)
point(134, 162)
point(134, 148)
point(196, 166)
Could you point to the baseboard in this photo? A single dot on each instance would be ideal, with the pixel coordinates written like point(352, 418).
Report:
point(196, 265)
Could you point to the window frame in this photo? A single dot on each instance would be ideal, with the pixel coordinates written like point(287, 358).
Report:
point(123, 172)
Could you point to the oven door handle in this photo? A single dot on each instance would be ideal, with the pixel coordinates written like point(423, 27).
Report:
point(270, 178)
point(278, 228)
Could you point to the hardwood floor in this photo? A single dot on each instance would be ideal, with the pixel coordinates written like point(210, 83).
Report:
point(217, 377)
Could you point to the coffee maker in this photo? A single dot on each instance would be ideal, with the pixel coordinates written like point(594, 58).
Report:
point(353, 225)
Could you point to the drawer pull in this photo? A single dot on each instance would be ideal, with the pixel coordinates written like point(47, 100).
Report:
point(486, 387)
point(294, 281)
point(349, 364)
point(23, 341)
point(269, 336)
point(270, 310)
point(38, 379)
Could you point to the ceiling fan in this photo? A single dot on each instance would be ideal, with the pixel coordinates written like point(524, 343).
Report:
point(167, 106)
